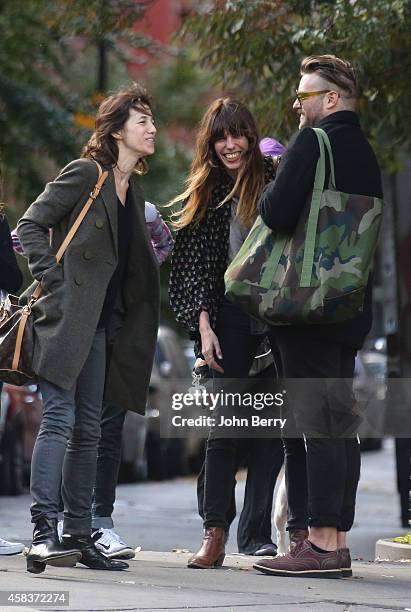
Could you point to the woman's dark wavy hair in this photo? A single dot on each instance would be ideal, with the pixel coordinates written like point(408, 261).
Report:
point(223, 116)
point(111, 116)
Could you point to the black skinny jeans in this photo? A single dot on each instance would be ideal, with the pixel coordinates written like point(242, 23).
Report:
point(216, 493)
point(322, 479)
point(263, 459)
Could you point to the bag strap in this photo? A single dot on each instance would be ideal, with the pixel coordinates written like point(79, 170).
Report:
point(323, 134)
point(272, 262)
point(312, 222)
point(93, 195)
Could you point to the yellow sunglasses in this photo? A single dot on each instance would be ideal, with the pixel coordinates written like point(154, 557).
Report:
point(304, 95)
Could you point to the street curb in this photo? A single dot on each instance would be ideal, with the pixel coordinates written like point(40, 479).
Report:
point(387, 550)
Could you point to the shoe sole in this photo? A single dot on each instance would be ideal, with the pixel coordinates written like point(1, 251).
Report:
point(302, 574)
point(198, 566)
point(346, 573)
point(107, 569)
point(121, 554)
point(13, 551)
point(38, 567)
point(67, 561)
point(216, 565)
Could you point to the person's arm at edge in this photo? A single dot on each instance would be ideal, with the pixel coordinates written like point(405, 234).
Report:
point(160, 236)
point(11, 276)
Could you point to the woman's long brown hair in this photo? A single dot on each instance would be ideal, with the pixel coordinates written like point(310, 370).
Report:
point(224, 116)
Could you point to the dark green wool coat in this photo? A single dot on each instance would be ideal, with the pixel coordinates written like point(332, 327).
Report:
point(67, 313)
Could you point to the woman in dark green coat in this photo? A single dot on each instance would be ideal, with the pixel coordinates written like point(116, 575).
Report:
point(103, 295)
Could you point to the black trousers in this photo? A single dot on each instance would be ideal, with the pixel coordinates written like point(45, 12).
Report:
point(265, 456)
point(322, 472)
point(263, 459)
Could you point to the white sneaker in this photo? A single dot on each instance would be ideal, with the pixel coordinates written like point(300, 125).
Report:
point(108, 542)
point(10, 548)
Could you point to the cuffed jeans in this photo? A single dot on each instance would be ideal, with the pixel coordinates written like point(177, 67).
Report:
point(66, 446)
point(322, 475)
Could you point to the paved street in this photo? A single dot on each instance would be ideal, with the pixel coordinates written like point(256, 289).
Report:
point(162, 517)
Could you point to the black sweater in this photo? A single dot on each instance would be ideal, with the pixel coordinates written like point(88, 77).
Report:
point(117, 282)
point(356, 171)
point(10, 275)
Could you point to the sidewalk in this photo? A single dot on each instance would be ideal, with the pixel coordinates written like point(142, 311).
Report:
point(163, 517)
point(161, 581)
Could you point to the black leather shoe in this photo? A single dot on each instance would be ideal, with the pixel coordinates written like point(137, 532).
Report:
point(255, 549)
point(46, 548)
point(266, 550)
point(90, 556)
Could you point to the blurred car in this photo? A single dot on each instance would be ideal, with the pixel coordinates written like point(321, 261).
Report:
point(133, 466)
point(19, 422)
point(370, 390)
point(145, 453)
point(166, 457)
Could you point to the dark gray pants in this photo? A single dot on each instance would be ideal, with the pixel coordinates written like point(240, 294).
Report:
point(66, 446)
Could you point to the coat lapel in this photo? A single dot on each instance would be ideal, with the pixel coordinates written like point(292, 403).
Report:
point(136, 197)
point(109, 197)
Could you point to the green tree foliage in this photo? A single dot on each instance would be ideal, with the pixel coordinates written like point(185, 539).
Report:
point(39, 97)
point(31, 119)
point(255, 48)
point(179, 89)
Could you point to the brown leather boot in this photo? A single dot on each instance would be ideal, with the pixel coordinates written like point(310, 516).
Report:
point(212, 552)
point(295, 536)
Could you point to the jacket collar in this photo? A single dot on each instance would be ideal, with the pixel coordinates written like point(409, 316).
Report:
point(340, 117)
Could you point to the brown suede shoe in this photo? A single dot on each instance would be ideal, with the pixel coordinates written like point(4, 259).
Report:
point(303, 561)
point(212, 552)
point(345, 562)
point(295, 536)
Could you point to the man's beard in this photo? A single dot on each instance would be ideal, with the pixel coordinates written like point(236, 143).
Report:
point(310, 121)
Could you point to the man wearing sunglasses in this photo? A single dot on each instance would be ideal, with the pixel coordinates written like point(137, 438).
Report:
point(322, 472)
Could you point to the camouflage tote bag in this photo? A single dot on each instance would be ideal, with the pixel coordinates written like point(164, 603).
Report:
point(320, 273)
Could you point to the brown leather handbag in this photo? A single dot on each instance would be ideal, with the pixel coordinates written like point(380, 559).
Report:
point(16, 324)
